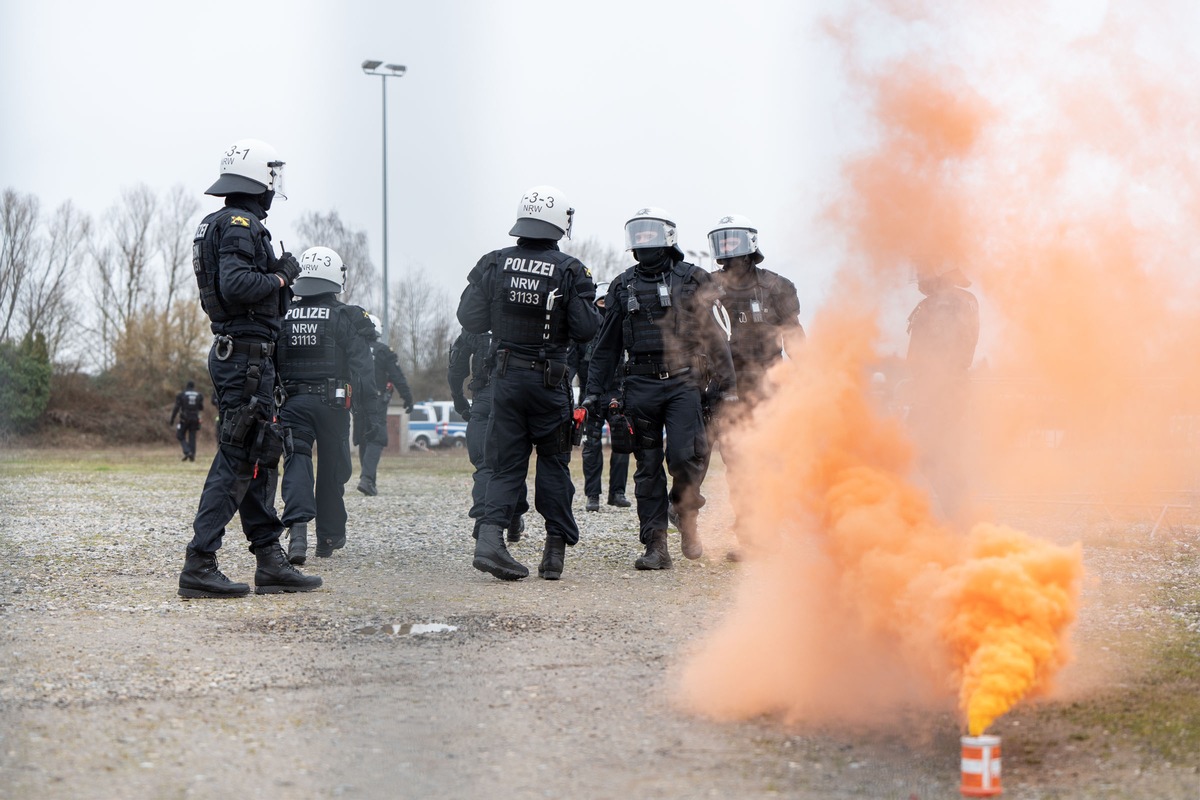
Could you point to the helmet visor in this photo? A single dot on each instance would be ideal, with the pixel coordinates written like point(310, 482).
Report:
point(640, 233)
point(730, 243)
point(276, 168)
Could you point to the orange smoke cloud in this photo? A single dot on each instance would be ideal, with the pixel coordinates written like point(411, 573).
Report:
point(1057, 173)
point(855, 598)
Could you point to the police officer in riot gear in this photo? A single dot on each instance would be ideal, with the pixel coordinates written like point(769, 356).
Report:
point(469, 358)
point(593, 445)
point(244, 290)
point(535, 300)
point(188, 405)
point(943, 331)
point(324, 366)
point(370, 419)
point(662, 314)
point(763, 307)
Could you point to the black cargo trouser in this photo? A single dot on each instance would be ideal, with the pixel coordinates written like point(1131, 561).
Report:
point(477, 425)
point(674, 404)
point(593, 461)
point(235, 485)
point(526, 413)
point(320, 496)
point(187, 435)
point(370, 448)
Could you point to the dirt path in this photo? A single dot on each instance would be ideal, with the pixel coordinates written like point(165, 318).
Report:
point(111, 686)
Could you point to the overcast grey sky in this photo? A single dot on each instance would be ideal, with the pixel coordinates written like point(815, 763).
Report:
point(702, 107)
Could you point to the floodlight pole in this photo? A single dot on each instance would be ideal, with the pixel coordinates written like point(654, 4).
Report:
point(371, 67)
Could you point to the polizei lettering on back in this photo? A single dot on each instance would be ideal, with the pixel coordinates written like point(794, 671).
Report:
point(529, 265)
point(306, 312)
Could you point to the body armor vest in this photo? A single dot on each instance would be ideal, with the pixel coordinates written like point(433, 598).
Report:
point(191, 403)
point(206, 259)
point(756, 318)
point(645, 337)
point(532, 308)
point(308, 351)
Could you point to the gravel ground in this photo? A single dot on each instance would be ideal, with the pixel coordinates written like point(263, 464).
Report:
point(111, 686)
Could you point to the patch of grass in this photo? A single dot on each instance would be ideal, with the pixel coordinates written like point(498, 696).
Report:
point(1159, 707)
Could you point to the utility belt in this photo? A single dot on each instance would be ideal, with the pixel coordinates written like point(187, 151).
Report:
point(553, 372)
point(660, 371)
point(334, 392)
point(227, 346)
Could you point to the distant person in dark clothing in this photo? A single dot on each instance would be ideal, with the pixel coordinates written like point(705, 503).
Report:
point(943, 331)
point(188, 405)
point(593, 445)
point(370, 419)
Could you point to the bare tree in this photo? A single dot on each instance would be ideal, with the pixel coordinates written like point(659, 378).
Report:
point(18, 252)
point(604, 260)
point(49, 305)
point(122, 262)
point(173, 239)
point(362, 278)
point(423, 332)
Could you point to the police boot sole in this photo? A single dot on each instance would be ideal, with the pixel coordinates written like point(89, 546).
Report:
point(647, 564)
point(275, 588)
point(193, 594)
point(298, 558)
point(504, 573)
point(550, 574)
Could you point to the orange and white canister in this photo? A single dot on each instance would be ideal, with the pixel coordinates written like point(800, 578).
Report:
point(980, 766)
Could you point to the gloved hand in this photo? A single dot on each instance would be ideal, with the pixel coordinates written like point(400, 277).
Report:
point(288, 268)
point(372, 431)
point(408, 404)
point(462, 407)
point(590, 403)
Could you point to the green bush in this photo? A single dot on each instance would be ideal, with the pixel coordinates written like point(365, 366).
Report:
point(24, 383)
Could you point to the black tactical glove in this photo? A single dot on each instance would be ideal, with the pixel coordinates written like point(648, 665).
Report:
point(462, 407)
point(408, 403)
point(288, 268)
point(591, 402)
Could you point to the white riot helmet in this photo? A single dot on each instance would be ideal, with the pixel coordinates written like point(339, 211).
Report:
point(321, 272)
point(378, 325)
point(602, 292)
point(733, 236)
point(249, 166)
point(652, 227)
point(543, 213)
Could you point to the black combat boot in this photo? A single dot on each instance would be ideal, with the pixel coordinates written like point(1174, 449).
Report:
point(618, 499)
point(689, 535)
point(298, 543)
point(657, 556)
point(515, 529)
point(201, 578)
point(553, 556)
point(275, 574)
point(593, 502)
point(367, 486)
point(493, 557)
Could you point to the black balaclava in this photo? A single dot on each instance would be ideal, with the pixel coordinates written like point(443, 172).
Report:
point(258, 203)
point(537, 244)
point(740, 270)
point(652, 260)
